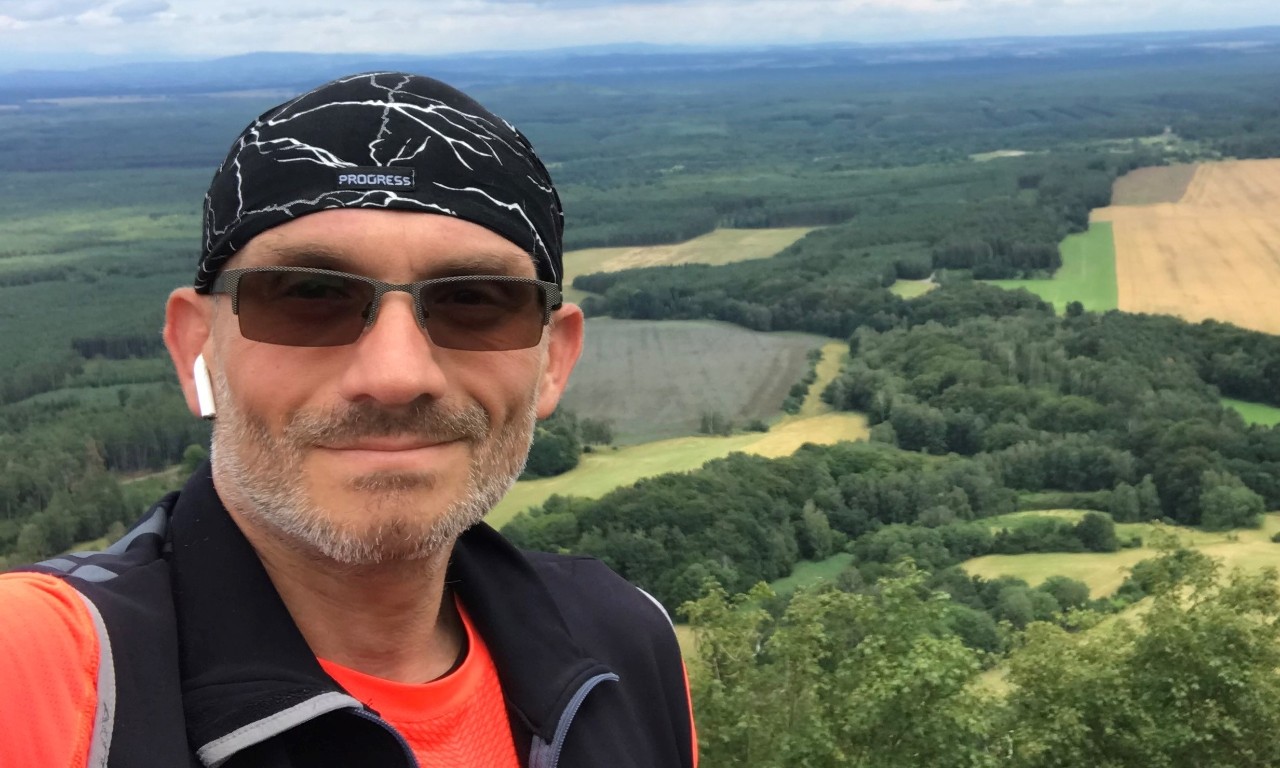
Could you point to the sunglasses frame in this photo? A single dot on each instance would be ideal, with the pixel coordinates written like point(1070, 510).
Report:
point(228, 282)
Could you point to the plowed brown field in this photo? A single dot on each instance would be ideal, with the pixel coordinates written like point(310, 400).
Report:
point(1213, 254)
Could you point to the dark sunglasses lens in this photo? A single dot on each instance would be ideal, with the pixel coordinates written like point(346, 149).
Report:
point(483, 314)
point(301, 309)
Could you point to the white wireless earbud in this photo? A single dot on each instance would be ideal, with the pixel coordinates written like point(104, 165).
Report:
point(204, 389)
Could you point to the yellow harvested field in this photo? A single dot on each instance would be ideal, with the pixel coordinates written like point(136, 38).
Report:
point(723, 246)
point(1214, 254)
point(831, 428)
point(720, 247)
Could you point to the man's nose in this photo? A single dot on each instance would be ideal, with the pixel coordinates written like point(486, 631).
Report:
point(393, 362)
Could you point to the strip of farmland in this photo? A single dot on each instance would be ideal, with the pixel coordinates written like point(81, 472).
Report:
point(1215, 254)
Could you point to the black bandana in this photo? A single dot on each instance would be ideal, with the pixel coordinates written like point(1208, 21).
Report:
point(382, 140)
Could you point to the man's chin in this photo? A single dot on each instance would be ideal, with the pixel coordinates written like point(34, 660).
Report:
point(384, 518)
point(375, 541)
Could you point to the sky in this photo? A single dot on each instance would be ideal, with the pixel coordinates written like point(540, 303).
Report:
point(66, 33)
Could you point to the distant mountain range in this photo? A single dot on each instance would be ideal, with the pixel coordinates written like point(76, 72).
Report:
point(293, 71)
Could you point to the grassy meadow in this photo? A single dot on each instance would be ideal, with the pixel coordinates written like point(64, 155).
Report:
point(723, 246)
point(1254, 413)
point(808, 573)
point(1104, 572)
point(1088, 273)
point(910, 289)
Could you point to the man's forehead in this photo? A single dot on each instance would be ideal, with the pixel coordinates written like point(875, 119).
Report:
point(369, 242)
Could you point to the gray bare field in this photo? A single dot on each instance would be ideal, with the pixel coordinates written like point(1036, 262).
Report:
point(654, 380)
point(1149, 186)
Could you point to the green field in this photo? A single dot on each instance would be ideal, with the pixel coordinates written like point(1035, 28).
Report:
point(1104, 572)
point(1254, 413)
point(655, 379)
point(910, 289)
point(1088, 273)
point(1015, 520)
point(723, 246)
point(808, 572)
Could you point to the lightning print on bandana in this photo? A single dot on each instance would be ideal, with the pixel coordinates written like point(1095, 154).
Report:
point(469, 163)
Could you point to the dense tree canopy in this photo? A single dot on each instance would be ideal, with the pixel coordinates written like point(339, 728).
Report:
point(881, 677)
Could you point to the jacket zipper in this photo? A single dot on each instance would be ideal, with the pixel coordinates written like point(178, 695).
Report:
point(552, 751)
point(408, 751)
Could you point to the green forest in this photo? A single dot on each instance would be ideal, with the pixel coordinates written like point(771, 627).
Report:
point(983, 401)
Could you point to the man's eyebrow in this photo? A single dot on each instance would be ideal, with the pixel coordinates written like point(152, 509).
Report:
point(320, 256)
point(482, 263)
point(314, 256)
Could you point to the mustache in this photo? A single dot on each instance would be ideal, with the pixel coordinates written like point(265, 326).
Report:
point(428, 420)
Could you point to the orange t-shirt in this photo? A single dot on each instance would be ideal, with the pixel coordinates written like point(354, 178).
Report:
point(458, 721)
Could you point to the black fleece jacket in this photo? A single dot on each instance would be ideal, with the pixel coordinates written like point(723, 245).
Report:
point(203, 665)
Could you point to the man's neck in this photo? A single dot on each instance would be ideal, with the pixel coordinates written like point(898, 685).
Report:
point(389, 620)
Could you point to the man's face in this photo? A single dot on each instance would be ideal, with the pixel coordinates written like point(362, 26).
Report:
point(387, 448)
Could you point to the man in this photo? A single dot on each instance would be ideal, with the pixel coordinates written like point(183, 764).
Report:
point(375, 325)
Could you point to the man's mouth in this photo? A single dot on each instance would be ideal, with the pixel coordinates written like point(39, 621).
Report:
point(388, 444)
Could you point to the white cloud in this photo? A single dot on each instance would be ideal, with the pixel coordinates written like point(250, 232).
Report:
point(200, 28)
point(45, 10)
point(136, 10)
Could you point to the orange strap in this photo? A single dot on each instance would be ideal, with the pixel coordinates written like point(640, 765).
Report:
point(693, 726)
point(48, 673)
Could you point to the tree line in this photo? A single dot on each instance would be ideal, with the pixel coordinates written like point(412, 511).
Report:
point(62, 460)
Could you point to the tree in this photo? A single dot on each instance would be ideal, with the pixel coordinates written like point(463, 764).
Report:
point(1068, 592)
point(1226, 503)
point(1124, 505)
point(816, 539)
point(554, 451)
point(1014, 606)
point(193, 457)
point(1148, 499)
point(1097, 533)
point(596, 431)
point(919, 427)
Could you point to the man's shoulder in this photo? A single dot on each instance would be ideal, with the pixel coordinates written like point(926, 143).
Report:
point(589, 593)
point(142, 545)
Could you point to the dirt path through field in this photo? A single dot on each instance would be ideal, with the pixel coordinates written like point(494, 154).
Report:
point(1213, 254)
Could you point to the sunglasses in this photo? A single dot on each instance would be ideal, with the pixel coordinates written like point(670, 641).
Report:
point(306, 307)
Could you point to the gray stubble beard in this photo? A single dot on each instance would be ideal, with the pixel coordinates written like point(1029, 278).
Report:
point(266, 487)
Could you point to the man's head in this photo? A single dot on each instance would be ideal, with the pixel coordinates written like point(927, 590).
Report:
point(382, 140)
point(369, 410)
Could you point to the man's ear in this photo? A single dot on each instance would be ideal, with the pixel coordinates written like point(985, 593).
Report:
point(188, 318)
point(563, 349)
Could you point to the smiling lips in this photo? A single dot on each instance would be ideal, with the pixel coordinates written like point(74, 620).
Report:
point(389, 444)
